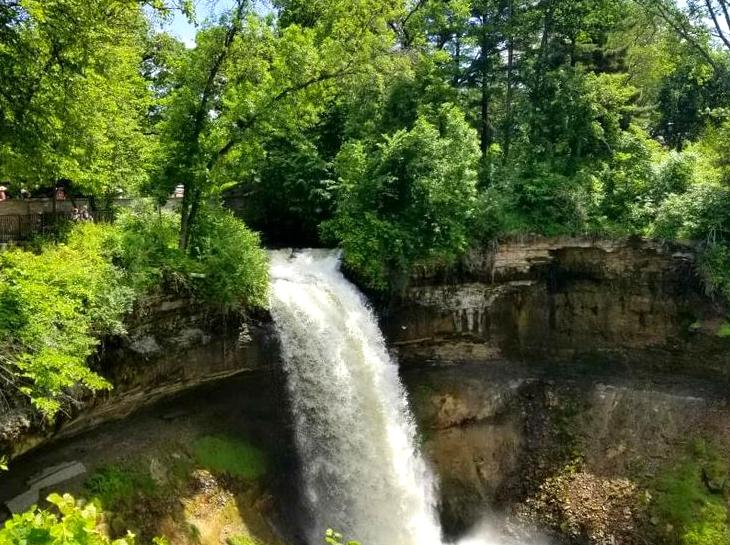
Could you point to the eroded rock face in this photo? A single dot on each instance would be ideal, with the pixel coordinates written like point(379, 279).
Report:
point(575, 454)
point(172, 345)
point(636, 304)
point(504, 360)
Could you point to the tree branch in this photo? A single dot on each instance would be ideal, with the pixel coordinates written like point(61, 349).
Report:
point(244, 125)
point(659, 9)
point(716, 22)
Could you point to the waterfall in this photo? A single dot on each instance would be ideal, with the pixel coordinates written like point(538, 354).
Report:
point(362, 472)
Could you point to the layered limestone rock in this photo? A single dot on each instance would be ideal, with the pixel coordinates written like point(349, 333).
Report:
point(635, 303)
point(172, 345)
point(578, 455)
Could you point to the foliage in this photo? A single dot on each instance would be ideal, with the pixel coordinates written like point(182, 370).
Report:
point(724, 330)
point(54, 306)
point(407, 200)
point(72, 99)
point(77, 524)
point(149, 251)
point(333, 538)
point(699, 214)
point(231, 456)
point(290, 192)
point(698, 515)
point(57, 304)
point(246, 79)
point(115, 486)
point(234, 267)
point(714, 267)
point(225, 265)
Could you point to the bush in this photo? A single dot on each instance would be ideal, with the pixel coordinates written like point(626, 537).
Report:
point(57, 303)
point(674, 175)
point(225, 266)
point(702, 213)
point(547, 203)
point(77, 524)
point(54, 307)
point(291, 191)
point(714, 267)
point(229, 256)
point(409, 200)
point(149, 250)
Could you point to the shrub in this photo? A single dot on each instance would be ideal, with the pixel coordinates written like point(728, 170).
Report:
point(76, 524)
point(547, 203)
point(714, 267)
point(335, 538)
point(226, 264)
point(54, 306)
point(234, 266)
point(674, 175)
point(149, 250)
point(702, 213)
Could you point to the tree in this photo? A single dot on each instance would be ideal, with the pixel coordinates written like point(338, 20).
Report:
point(247, 78)
point(72, 99)
point(698, 22)
point(407, 200)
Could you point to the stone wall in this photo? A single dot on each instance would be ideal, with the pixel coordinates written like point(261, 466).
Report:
point(631, 303)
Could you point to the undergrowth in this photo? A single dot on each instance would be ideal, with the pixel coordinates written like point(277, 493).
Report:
point(692, 497)
point(118, 486)
point(234, 457)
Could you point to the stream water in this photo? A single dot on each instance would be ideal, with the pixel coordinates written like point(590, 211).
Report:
point(363, 474)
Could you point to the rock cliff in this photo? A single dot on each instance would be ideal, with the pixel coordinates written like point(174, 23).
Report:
point(554, 381)
point(629, 303)
point(172, 345)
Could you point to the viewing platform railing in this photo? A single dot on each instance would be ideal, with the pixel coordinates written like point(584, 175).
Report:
point(23, 227)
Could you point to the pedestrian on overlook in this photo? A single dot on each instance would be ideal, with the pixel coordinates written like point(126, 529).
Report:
point(85, 214)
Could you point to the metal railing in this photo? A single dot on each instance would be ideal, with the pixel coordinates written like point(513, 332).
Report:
point(23, 227)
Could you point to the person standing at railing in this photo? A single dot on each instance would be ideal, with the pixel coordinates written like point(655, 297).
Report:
point(3, 193)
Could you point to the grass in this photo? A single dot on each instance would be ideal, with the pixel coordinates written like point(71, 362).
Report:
point(242, 540)
point(234, 457)
point(116, 486)
point(698, 515)
point(724, 330)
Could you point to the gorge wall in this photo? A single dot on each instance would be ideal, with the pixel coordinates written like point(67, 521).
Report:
point(630, 303)
point(554, 380)
point(172, 345)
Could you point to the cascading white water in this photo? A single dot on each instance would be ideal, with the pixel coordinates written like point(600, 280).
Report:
point(362, 472)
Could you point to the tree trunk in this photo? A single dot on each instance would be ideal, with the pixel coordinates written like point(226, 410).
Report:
point(544, 42)
point(188, 213)
point(486, 135)
point(510, 86)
